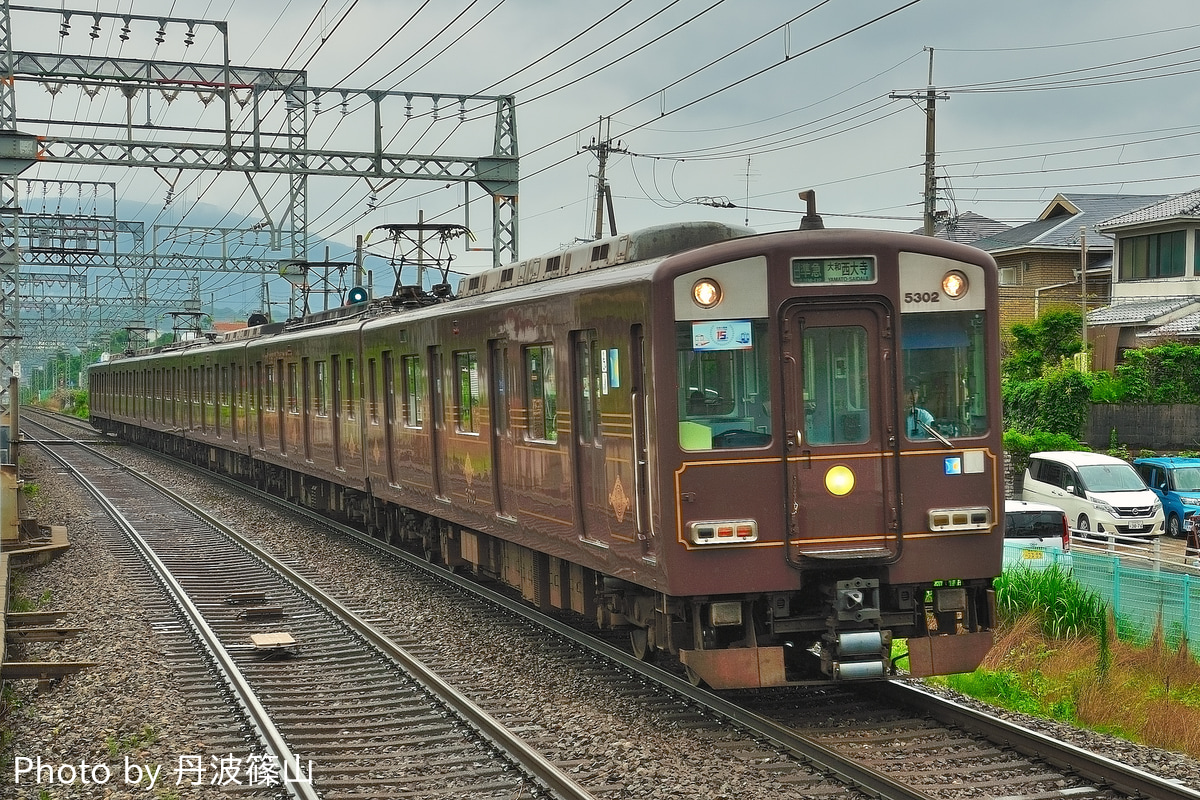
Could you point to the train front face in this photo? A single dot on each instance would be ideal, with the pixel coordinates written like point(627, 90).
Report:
point(836, 477)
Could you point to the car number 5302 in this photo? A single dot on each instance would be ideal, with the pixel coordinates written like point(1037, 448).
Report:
point(922, 297)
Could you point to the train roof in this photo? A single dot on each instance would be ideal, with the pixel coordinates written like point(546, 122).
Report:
point(641, 245)
point(647, 247)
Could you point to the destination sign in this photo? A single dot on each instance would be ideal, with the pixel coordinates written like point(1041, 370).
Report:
point(810, 271)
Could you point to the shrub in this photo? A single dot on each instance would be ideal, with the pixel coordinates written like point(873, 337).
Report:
point(1020, 445)
point(1064, 608)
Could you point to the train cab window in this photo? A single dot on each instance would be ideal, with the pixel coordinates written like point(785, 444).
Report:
point(320, 385)
point(944, 356)
point(466, 394)
point(293, 389)
point(541, 394)
point(413, 395)
point(724, 384)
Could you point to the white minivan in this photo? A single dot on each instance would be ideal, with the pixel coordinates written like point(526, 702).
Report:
point(1099, 493)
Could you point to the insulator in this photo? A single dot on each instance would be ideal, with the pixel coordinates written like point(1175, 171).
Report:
point(95, 34)
point(64, 28)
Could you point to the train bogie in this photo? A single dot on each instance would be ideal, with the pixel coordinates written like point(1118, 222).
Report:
point(698, 435)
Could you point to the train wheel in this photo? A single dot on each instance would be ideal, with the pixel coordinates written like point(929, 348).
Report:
point(641, 645)
point(693, 678)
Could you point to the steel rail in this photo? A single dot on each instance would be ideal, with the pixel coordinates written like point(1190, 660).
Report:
point(254, 711)
point(529, 759)
point(810, 752)
point(1064, 755)
point(1061, 754)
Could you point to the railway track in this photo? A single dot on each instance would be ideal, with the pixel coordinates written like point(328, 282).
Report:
point(327, 696)
point(888, 746)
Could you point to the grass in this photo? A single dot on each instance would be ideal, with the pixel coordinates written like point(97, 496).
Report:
point(131, 741)
point(17, 601)
point(1057, 656)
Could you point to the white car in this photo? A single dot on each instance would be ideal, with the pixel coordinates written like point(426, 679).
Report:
point(1099, 493)
point(1036, 535)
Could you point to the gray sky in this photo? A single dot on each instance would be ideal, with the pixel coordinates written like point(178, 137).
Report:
point(742, 102)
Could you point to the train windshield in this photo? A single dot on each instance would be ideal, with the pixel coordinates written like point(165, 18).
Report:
point(945, 374)
point(723, 383)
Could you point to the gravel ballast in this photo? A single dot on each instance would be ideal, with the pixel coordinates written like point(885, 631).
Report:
point(133, 690)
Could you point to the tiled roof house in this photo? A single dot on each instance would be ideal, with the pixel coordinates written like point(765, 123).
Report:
point(1039, 261)
point(1155, 278)
point(966, 228)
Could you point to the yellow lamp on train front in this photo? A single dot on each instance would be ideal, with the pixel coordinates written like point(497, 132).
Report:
point(839, 480)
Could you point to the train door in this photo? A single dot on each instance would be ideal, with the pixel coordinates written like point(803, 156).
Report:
point(838, 363)
point(283, 410)
point(437, 420)
point(224, 401)
point(502, 442)
point(641, 437)
point(587, 443)
point(238, 405)
point(258, 404)
point(306, 405)
point(389, 413)
point(335, 370)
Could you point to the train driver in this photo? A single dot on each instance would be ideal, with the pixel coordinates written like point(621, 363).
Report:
point(917, 417)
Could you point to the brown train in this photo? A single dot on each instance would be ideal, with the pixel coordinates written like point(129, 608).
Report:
point(769, 455)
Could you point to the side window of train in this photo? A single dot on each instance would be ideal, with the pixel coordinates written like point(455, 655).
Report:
point(320, 387)
point(586, 369)
point(413, 395)
point(269, 387)
point(541, 395)
point(293, 389)
point(373, 400)
point(723, 372)
point(466, 394)
point(351, 399)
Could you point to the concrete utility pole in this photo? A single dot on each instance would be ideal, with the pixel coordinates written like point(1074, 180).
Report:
point(603, 145)
point(1083, 293)
point(931, 97)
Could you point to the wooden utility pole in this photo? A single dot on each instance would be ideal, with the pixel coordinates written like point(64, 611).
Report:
point(931, 97)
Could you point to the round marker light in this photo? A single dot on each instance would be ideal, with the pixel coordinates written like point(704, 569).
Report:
point(839, 481)
point(954, 284)
point(706, 292)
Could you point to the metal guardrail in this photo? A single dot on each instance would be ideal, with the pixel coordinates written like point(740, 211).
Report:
point(1146, 582)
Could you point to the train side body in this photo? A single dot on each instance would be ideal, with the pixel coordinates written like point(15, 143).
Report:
point(713, 448)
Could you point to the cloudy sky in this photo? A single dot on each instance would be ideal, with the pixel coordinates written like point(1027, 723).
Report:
point(717, 109)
